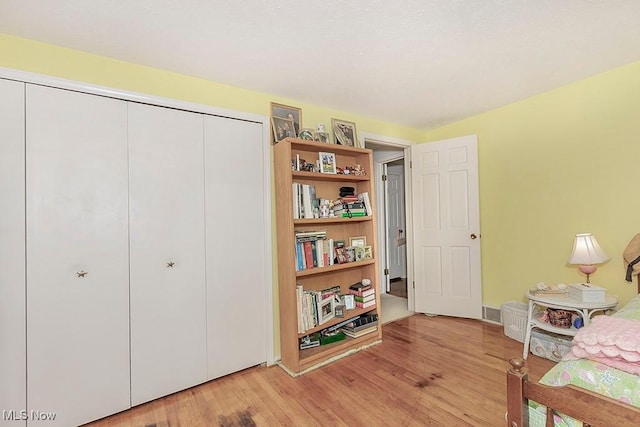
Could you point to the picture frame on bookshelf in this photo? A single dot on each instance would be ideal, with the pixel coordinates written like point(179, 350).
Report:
point(367, 252)
point(341, 255)
point(358, 241)
point(323, 137)
point(282, 128)
point(359, 252)
point(351, 253)
point(349, 301)
point(287, 112)
point(327, 309)
point(327, 162)
point(306, 134)
point(344, 132)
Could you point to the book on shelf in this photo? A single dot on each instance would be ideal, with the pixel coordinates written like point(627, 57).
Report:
point(367, 304)
point(359, 286)
point(364, 293)
point(308, 200)
point(299, 294)
point(368, 298)
point(308, 254)
point(346, 213)
point(359, 328)
point(361, 320)
point(364, 197)
point(360, 332)
point(309, 341)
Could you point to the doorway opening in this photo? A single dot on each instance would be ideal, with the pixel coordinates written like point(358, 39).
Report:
point(391, 187)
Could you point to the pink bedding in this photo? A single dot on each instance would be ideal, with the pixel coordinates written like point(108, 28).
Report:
point(611, 341)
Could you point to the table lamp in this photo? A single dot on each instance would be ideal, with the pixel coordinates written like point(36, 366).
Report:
point(586, 253)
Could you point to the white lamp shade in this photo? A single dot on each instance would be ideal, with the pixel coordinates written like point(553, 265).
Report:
point(586, 250)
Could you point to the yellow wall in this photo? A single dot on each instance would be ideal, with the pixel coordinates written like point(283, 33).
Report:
point(27, 55)
point(550, 166)
point(553, 165)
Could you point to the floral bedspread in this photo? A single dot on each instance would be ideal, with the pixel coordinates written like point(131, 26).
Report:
point(593, 376)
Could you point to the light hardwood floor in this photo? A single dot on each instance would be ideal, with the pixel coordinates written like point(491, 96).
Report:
point(428, 371)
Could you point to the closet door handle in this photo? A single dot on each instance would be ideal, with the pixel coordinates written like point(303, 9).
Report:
point(82, 273)
point(170, 264)
point(473, 236)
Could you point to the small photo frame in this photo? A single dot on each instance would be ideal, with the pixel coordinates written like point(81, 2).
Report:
point(358, 241)
point(341, 255)
point(327, 309)
point(344, 133)
point(322, 137)
point(306, 134)
point(359, 251)
point(288, 112)
point(327, 162)
point(349, 301)
point(367, 253)
point(351, 253)
point(282, 128)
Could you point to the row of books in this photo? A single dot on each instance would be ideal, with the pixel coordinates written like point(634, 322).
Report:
point(315, 250)
point(307, 206)
point(312, 306)
point(353, 327)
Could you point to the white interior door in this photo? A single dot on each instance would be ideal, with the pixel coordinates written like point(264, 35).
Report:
point(396, 222)
point(446, 228)
point(12, 250)
point(78, 256)
point(236, 245)
point(168, 297)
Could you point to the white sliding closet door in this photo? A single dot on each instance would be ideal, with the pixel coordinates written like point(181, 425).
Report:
point(168, 299)
point(235, 212)
point(12, 251)
point(77, 251)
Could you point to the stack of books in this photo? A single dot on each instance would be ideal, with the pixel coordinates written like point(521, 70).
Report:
point(363, 325)
point(365, 295)
point(348, 207)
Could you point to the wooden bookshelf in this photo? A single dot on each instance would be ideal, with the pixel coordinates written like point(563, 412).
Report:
point(327, 186)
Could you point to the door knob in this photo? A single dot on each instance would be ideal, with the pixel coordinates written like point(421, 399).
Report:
point(473, 236)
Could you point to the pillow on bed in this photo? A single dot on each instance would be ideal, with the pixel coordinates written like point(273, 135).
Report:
point(609, 340)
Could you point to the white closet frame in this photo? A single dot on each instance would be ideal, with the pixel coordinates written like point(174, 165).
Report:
point(26, 77)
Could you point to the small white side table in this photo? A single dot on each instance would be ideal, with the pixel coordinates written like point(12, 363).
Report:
point(563, 302)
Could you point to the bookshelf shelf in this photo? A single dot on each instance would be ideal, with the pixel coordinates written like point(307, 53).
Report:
point(327, 186)
point(332, 268)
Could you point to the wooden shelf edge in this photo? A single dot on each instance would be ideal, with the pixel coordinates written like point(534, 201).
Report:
point(316, 176)
point(333, 220)
point(335, 267)
point(321, 146)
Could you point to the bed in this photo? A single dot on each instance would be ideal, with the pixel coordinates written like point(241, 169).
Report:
point(596, 384)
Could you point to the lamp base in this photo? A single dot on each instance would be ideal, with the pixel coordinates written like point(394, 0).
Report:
point(587, 269)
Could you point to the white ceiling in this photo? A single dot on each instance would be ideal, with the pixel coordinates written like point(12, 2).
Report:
point(420, 63)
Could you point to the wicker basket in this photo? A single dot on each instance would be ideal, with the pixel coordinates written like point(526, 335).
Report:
point(514, 319)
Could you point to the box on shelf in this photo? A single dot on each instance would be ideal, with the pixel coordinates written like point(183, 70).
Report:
point(514, 319)
point(548, 345)
point(586, 292)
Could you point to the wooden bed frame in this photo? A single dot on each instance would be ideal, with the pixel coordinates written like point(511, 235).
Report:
point(581, 404)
